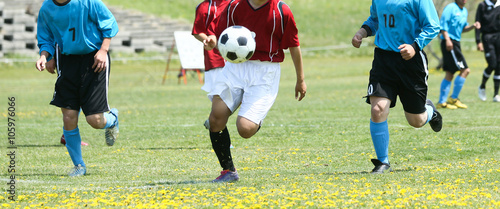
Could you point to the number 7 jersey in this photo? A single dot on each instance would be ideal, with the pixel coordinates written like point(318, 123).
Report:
point(396, 22)
point(77, 26)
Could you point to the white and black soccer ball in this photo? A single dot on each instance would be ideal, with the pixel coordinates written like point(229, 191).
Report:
point(236, 44)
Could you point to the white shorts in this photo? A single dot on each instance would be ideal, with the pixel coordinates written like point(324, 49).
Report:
point(210, 77)
point(254, 84)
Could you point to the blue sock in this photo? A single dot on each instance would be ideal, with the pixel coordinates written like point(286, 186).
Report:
point(73, 144)
point(445, 90)
point(459, 83)
point(110, 119)
point(430, 112)
point(380, 138)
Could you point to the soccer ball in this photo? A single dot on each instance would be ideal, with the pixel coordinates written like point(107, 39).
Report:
point(236, 44)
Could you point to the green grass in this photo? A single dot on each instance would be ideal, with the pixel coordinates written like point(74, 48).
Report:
point(313, 153)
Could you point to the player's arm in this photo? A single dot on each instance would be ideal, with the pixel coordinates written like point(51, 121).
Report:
point(300, 86)
point(369, 28)
point(101, 57)
point(449, 44)
point(479, 15)
point(358, 37)
point(468, 28)
point(429, 20)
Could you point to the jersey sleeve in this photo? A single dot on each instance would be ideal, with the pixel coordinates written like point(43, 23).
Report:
point(479, 15)
point(428, 18)
point(290, 35)
point(372, 21)
point(45, 38)
point(445, 18)
point(199, 25)
point(104, 18)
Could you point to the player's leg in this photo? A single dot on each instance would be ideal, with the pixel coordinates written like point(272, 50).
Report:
point(490, 54)
point(496, 82)
point(444, 91)
point(94, 93)
point(457, 88)
point(221, 141)
point(449, 67)
point(379, 131)
point(496, 77)
point(73, 141)
point(63, 139)
point(413, 95)
point(464, 71)
point(66, 97)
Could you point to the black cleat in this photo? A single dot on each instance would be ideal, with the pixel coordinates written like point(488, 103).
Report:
point(436, 121)
point(380, 167)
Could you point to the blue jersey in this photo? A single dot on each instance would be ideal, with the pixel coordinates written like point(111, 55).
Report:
point(78, 26)
point(397, 22)
point(453, 21)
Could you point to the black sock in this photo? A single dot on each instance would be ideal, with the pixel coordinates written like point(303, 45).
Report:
point(496, 83)
point(221, 143)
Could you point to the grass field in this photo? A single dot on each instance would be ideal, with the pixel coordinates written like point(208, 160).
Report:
point(313, 153)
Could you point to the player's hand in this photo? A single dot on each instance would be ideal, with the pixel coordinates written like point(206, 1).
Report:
point(449, 45)
point(41, 63)
point(357, 40)
point(477, 25)
point(407, 51)
point(480, 46)
point(210, 43)
point(300, 90)
point(100, 61)
point(51, 66)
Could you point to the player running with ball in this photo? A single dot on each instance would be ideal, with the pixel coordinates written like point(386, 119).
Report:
point(402, 28)
point(83, 30)
point(253, 84)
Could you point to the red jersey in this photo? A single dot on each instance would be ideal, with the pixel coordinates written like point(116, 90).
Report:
point(206, 12)
point(273, 24)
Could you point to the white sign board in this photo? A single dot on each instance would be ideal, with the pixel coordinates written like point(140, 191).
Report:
point(190, 50)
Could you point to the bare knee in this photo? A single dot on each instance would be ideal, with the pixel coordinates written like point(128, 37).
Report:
point(378, 113)
point(97, 121)
point(217, 122)
point(416, 120)
point(246, 128)
point(465, 72)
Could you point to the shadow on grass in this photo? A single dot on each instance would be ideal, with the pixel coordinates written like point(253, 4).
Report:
point(177, 183)
point(36, 145)
point(368, 172)
point(168, 148)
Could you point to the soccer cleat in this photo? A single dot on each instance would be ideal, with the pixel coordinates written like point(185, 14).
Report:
point(446, 106)
point(456, 102)
point(436, 121)
point(380, 167)
point(496, 98)
point(227, 176)
point(207, 124)
point(111, 133)
point(78, 170)
point(63, 141)
point(481, 93)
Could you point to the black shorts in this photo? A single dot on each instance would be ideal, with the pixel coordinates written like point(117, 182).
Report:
point(78, 86)
point(453, 60)
point(391, 76)
point(491, 44)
